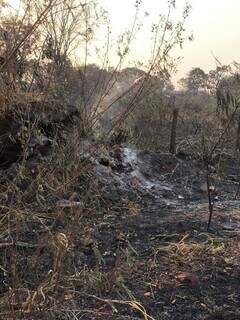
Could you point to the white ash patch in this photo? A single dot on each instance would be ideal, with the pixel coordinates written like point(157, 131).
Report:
point(130, 157)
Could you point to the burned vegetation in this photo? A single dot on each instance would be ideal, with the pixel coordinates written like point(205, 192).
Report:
point(119, 194)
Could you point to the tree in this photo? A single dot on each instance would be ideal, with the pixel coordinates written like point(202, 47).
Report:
point(12, 30)
point(195, 80)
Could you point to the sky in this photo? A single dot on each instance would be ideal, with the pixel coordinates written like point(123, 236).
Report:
point(215, 25)
point(216, 30)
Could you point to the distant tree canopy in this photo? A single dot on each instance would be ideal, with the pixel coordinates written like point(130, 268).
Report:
point(195, 80)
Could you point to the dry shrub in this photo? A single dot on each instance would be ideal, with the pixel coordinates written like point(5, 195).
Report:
point(46, 208)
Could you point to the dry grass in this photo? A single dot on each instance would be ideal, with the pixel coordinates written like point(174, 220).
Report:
point(49, 215)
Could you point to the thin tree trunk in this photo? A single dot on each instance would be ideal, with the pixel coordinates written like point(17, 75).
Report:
point(210, 202)
point(238, 136)
point(172, 147)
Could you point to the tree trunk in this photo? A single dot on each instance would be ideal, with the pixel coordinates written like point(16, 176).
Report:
point(238, 136)
point(172, 147)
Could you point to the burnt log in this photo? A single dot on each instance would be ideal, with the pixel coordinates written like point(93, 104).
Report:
point(10, 145)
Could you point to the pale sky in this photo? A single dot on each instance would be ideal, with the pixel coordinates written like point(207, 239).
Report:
point(215, 25)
